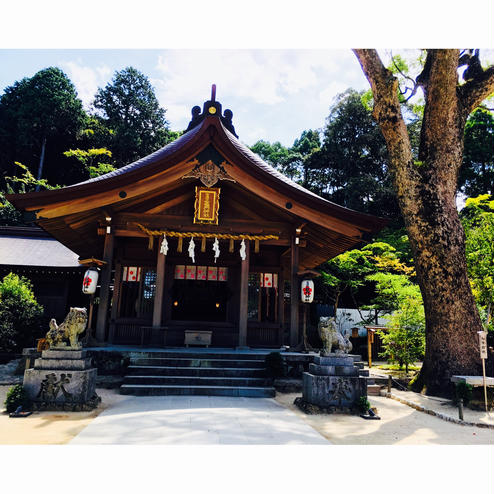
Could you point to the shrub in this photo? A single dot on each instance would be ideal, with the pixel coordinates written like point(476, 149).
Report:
point(16, 396)
point(363, 404)
point(275, 367)
point(463, 391)
point(404, 342)
point(20, 313)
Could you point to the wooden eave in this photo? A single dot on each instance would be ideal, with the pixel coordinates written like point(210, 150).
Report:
point(153, 184)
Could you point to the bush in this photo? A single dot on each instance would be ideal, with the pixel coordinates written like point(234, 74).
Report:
point(275, 366)
point(16, 396)
point(404, 341)
point(463, 391)
point(20, 313)
point(363, 404)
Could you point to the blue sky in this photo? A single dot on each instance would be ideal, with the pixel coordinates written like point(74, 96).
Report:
point(274, 94)
point(274, 90)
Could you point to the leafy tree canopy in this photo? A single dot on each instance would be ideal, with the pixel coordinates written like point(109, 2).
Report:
point(20, 313)
point(38, 116)
point(477, 172)
point(129, 108)
point(478, 221)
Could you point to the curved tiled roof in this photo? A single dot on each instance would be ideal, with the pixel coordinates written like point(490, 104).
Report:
point(161, 153)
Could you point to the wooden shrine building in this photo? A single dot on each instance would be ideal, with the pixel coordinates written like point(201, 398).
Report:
point(201, 235)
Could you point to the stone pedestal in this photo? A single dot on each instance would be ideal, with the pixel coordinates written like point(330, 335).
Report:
point(333, 383)
point(62, 379)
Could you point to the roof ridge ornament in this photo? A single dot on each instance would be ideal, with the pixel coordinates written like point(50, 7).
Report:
point(209, 172)
point(211, 108)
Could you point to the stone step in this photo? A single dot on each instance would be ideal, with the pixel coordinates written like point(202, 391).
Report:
point(197, 381)
point(200, 355)
point(157, 370)
point(163, 390)
point(199, 362)
point(373, 389)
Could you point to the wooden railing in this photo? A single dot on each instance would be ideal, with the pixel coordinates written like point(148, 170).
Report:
point(135, 333)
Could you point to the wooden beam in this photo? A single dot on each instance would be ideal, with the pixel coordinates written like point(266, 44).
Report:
point(244, 294)
point(160, 290)
point(104, 297)
point(294, 295)
point(143, 186)
point(157, 221)
point(281, 306)
point(115, 299)
point(170, 203)
point(279, 199)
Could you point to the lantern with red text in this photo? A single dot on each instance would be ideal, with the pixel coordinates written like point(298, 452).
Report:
point(307, 292)
point(90, 281)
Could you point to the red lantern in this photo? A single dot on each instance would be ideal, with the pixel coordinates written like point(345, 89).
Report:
point(307, 291)
point(90, 281)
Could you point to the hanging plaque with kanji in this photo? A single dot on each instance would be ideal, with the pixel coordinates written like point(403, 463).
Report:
point(207, 205)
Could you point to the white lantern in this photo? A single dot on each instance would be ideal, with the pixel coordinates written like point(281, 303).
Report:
point(307, 291)
point(90, 281)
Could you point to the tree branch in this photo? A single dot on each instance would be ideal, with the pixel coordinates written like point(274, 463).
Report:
point(472, 93)
point(387, 109)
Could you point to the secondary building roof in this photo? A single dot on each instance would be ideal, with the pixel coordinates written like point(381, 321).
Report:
point(22, 246)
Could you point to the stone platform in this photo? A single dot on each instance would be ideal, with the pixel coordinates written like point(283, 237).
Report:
point(334, 383)
point(62, 379)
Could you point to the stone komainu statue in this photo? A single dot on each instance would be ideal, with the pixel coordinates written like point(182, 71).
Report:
point(331, 336)
point(70, 329)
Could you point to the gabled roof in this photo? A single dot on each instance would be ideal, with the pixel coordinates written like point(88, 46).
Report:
point(71, 212)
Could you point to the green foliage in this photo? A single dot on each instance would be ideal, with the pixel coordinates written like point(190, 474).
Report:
point(404, 341)
point(9, 215)
point(43, 108)
point(275, 366)
point(392, 290)
point(90, 160)
point(363, 404)
point(477, 172)
point(278, 156)
point(353, 159)
point(20, 313)
point(478, 222)
point(130, 108)
point(397, 238)
point(463, 391)
point(355, 269)
point(16, 396)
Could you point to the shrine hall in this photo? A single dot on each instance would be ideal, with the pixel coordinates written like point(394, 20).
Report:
point(201, 238)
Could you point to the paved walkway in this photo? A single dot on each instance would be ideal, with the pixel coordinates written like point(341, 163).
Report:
point(190, 420)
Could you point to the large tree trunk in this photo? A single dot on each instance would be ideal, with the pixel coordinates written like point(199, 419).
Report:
point(426, 191)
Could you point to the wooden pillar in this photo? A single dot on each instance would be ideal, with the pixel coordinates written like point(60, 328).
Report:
point(294, 295)
point(244, 295)
point(160, 290)
point(117, 284)
point(104, 296)
point(281, 307)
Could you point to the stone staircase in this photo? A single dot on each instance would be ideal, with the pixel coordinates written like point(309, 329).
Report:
point(197, 373)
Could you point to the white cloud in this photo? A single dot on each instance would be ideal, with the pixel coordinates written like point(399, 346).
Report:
point(86, 79)
point(248, 77)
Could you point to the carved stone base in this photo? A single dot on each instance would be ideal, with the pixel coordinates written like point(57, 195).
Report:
point(311, 409)
point(88, 406)
point(62, 379)
point(333, 383)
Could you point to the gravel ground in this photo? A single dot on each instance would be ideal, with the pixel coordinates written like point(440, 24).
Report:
point(399, 424)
